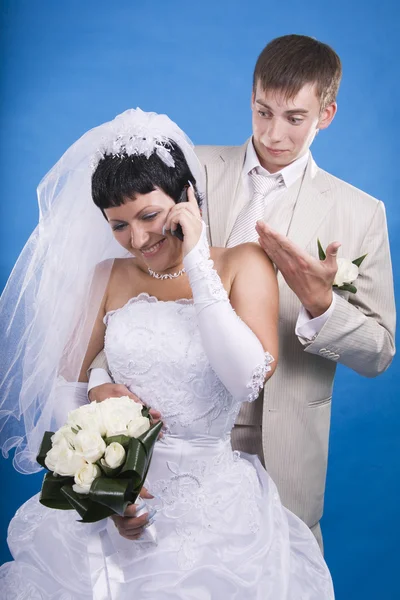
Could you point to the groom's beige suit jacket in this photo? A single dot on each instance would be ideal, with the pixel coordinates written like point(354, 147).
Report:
point(358, 334)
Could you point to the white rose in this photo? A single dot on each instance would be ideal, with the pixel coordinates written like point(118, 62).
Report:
point(124, 404)
point(64, 433)
point(117, 414)
point(85, 477)
point(87, 416)
point(52, 455)
point(114, 456)
point(63, 460)
point(116, 424)
point(138, 426)
point(347, 272)
point(90, 445)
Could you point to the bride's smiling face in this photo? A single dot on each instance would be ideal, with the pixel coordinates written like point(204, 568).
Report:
point(137, 225)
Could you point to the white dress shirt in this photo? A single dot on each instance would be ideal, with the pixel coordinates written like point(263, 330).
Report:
point(290, 174)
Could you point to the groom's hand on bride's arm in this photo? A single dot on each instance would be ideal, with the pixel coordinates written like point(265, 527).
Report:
point(117, 390)
point(309, 278)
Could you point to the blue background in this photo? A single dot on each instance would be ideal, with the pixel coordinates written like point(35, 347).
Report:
point(69, 66)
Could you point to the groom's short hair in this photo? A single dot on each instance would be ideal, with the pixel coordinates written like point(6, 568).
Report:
point(289, 62)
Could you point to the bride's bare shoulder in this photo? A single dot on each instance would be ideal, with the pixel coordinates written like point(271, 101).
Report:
point(120, 271)
point(126, 269)
point(239, 256)
point(121, 265)
point(246, 263)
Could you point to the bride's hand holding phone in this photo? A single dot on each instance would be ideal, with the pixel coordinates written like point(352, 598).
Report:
point(184, 220)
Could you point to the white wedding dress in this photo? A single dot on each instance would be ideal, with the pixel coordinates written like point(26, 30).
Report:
point(221, 530)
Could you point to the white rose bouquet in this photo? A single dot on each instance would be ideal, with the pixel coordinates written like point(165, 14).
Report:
point(99, 459)
point(347, 271)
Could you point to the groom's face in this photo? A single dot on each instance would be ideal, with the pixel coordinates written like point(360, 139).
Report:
point(283, 128)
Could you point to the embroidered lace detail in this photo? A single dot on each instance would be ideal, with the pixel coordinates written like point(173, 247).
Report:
point(194, 501)
point(18, 580)
point(15, 587)
point(29, 515)
point(144, 297)
point(155, 349)
point(214, 282)
point(198, 264)
point(258, 377)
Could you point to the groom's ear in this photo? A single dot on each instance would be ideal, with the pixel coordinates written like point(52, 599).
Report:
point(327, 115)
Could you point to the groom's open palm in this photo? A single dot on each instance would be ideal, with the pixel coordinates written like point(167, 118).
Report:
point(310, 279)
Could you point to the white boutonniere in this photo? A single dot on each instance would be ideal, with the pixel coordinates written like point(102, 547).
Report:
point(347, 271)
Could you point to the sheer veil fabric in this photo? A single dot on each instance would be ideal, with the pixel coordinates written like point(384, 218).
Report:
point(53, 295)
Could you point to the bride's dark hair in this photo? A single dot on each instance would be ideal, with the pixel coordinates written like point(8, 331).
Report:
point(118, 178)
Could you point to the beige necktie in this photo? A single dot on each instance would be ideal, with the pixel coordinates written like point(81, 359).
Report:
point(244, 227)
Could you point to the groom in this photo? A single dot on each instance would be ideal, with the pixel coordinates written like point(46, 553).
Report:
point(272, 180)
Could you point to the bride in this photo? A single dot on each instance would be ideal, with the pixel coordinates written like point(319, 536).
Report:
point(120, 260)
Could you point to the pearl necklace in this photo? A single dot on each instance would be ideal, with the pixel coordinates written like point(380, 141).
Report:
point(166, 275)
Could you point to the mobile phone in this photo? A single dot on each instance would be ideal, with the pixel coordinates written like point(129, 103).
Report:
point(182, 198)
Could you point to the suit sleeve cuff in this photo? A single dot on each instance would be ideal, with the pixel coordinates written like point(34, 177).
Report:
point(308, 328)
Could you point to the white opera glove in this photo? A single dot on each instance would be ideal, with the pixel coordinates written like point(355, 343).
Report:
point(234, 351)
point(98, 376)
point(68, 395)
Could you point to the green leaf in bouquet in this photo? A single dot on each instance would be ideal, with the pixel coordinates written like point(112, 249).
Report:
point(149, 437)
point(108, 470)
point(139, 454)
point(146, 411)
point(136, 463)
point(359, 260)
point(121, 439)
point(89, 509)
point(113, 493)
point(45, 446)
point(51, 493)
point(347, 287)
point(321, 251)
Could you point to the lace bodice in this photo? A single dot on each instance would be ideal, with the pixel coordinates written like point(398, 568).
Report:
point(154, 348)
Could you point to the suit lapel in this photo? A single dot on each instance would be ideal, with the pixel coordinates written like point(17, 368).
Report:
point(227, 196)
point(313, 205)
point(239, 199)
point(225, 192)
